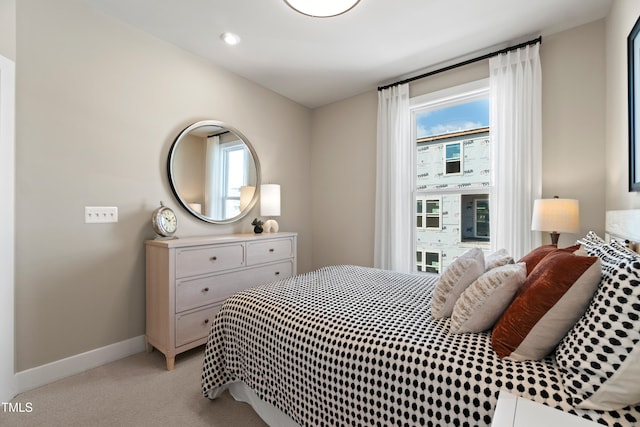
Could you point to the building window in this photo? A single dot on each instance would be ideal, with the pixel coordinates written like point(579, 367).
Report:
point(453, 158)
point(428, 213)
point(428, 261)
point(474, 217)
point(451, 131)
point(481, 218)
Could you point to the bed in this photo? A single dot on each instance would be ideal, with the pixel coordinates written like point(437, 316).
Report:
point(350, 345)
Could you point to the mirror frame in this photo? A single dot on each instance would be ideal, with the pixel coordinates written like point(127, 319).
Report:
point(173, 185)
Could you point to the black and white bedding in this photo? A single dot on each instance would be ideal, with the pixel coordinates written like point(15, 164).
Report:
point(347, 345)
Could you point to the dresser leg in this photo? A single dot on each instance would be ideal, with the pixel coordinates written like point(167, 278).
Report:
point(148, 346)
point(170, 363)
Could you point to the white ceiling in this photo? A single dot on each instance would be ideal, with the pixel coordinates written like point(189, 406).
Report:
point(316, 61)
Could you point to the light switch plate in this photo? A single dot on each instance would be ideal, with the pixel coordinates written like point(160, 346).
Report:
point(100, 214)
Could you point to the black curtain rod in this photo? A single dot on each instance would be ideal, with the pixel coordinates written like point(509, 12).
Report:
point(463, 63)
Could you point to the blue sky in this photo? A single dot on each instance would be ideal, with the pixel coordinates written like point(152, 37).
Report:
point(471, 115)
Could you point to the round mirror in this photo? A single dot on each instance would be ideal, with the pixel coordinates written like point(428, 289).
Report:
point(214, 172)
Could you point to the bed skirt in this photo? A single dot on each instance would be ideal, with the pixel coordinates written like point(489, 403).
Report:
point(269, 413)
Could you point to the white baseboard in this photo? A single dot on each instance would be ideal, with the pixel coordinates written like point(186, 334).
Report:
point(45, 374)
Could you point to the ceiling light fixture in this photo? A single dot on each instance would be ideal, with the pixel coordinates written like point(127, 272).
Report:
point(322, 8)
point(230, 38)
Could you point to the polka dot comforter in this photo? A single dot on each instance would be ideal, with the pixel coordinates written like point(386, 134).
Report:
point(355, 346)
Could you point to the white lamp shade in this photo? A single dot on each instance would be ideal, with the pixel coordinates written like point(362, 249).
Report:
point(196, 207)
point(246, 195)
point(322, 8)
point(270, 200)
point(559, 215)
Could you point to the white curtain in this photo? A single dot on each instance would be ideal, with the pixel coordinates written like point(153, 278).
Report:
point(516, 148)
point(393, 248)
point(214, 207)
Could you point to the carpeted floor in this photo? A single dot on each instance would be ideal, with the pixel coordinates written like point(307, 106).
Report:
point(136, 391)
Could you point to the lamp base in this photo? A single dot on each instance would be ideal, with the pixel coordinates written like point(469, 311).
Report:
point(271, 226)
point(554, 238)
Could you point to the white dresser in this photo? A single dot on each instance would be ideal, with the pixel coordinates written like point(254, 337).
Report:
point(188, 279)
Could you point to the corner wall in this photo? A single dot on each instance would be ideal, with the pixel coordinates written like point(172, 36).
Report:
point(573, 123)
point(344, 145)
point(99, 104)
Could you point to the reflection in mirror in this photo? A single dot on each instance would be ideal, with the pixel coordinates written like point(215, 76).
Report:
point(214, 172)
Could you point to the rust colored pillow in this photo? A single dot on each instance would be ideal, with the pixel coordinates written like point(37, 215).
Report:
point(552, 299)
point(535, 256)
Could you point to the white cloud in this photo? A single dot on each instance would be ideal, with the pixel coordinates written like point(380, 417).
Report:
point(447, 128)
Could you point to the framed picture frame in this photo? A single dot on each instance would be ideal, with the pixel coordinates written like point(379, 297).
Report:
point(633, 57)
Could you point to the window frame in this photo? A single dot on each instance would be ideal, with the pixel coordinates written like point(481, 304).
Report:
point(423, 267)
point(424, 214)
point(459, 94)
point(459, 159)
point(227, 200)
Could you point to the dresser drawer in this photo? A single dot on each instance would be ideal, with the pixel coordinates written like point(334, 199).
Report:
point(272, 272)
point(195, 325)
point(194, 293)
point(208, 259)
point(272, 250)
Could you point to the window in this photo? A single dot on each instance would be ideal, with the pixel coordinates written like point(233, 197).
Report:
point(481, 216)
point(428, 261)
point(235, 158)
point(228, 162)
point(428, 214)
point(474, 217)
point(453, 158)
point(451, 130)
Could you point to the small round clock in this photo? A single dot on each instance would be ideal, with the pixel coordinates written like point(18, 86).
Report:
point(164, 221)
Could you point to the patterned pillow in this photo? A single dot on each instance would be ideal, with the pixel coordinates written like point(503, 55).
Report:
point(482, 303)
point(591, 239)
point(535, 256)
point(600, 357)
point(552, 299)
point(454, 280)
point(622, 247)
point(497, 259)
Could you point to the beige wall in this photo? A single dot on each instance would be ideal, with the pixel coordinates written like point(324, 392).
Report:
point(343, 153)
point(8, 29)
point(99, 104)
point(573, 122)
point(343, 181)
point(619, 23)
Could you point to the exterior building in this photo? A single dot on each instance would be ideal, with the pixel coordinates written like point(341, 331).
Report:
point(452, 198)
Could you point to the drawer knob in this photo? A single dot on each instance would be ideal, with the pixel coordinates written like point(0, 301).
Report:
point(272, 250)
point(277, 273)
point(205, 290)
point(206, 321)
point(213, 258)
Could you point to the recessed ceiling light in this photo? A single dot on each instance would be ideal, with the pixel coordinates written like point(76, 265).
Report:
point(322, 8)
point(230, 38)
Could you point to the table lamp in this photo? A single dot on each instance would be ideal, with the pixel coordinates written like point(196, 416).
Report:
point(556, 216)
point(270, 206)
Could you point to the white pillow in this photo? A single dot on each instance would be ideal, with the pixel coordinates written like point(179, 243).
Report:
point(496, 259)
point(454, 280)
point(482, 303)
